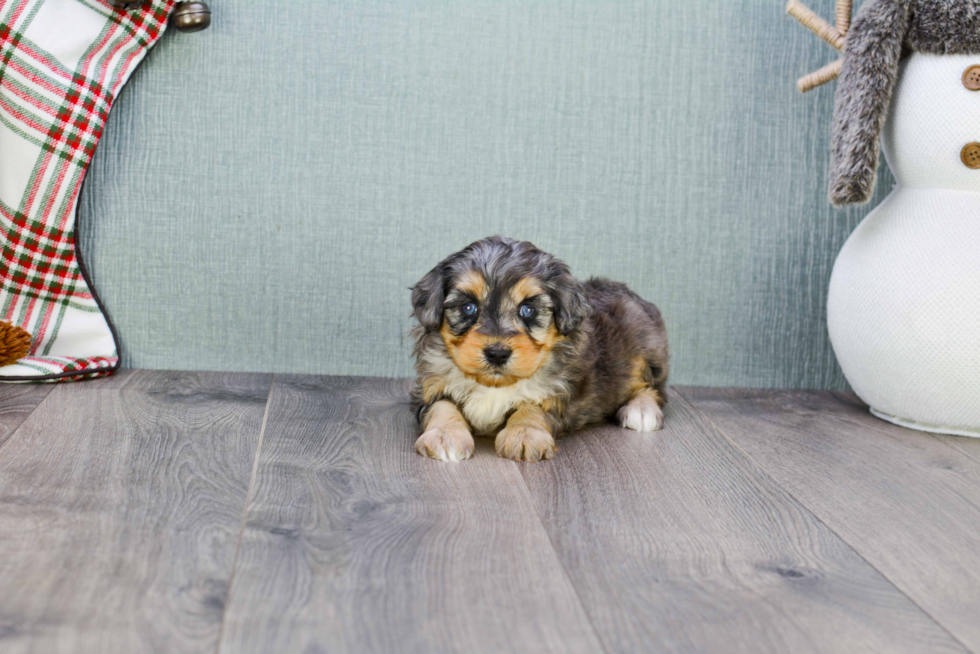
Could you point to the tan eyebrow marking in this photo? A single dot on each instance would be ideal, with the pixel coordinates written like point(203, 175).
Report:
point(525, 287)
point(473, 283)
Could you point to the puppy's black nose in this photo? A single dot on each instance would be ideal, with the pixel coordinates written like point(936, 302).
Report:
point(496, 354)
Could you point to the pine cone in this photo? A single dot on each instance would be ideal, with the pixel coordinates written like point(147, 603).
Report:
point(14, 343)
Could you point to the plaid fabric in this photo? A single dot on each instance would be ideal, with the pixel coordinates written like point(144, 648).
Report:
point(62, 64)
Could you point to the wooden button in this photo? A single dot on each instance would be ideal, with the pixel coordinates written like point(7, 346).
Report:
point(971, 78)
point(970, 155)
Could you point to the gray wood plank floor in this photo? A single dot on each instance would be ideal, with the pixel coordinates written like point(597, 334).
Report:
point(354, 543)
point(203, 512)
point(17, 401)
point(677, 539)
point(907, 501)
point(121, 505)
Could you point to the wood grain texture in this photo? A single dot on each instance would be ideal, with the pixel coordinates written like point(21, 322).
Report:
point(17, 401)
point(905, 500)
point(968, 446)
point(677, 542)
point(120, 507)
point(355, 543)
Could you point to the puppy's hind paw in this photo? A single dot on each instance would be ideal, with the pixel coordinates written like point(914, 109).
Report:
point(446, 443)
point(641, 414)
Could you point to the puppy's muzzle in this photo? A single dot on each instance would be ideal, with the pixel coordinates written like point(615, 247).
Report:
point(496, 354)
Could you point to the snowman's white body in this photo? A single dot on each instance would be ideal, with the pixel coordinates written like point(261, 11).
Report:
point(903, 308)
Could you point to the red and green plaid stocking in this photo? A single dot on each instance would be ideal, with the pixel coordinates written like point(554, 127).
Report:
point(62, 64)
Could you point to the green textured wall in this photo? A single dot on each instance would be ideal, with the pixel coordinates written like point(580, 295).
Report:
point(265, 191)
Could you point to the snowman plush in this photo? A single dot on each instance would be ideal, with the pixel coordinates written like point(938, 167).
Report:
point(903, 307)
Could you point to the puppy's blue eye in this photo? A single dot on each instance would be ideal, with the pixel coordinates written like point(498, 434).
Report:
point(527, 311)
point(469, 309)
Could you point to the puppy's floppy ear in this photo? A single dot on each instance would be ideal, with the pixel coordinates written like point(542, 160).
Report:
point(571, 306)
point(427, 298)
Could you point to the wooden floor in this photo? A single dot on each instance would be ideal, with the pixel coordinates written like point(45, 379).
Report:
point(211, 512)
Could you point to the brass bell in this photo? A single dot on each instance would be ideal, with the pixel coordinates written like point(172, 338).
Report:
point(125, 5)
point(192, 16)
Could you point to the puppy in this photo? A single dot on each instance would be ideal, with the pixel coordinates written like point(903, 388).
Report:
point(510, 344)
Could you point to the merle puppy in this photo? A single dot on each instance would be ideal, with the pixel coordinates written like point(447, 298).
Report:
point(510, 344)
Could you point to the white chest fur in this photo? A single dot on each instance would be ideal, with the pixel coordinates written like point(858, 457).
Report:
point(486, 408)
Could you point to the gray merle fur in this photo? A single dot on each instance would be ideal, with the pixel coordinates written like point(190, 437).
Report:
point(606, 328)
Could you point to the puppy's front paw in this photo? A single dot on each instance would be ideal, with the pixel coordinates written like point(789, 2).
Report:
point(446, 443)
point(525, 443)
point(641, 414)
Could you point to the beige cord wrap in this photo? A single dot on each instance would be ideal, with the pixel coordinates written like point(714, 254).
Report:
point(834, 35)
point(843, 16)
point(819, 77)
point(815, 23)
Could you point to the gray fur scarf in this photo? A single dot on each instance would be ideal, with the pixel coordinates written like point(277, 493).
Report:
point(882, 32)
